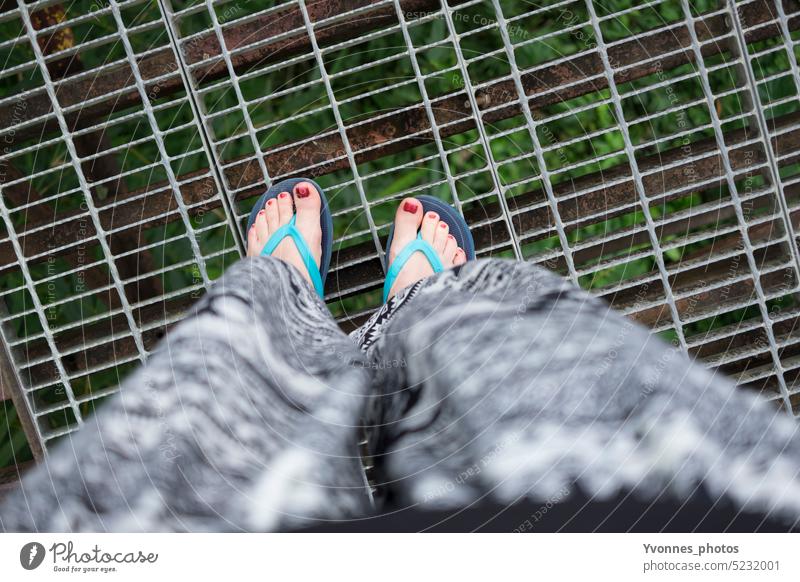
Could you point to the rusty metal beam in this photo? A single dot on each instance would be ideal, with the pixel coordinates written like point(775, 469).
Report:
point(370, 272)
point(11, 387)
point(274, 25)
point(105, 167)
point(696, 304)
point(83, 359)
point(545, 87)
point(9, 476)
point(601, 201)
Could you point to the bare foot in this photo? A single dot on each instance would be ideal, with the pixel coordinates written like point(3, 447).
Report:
point(279, 211)
point(408, 221)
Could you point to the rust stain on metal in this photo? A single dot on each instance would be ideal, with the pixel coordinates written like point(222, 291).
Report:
point(103, 168)
point(370, 271)
point(162, 62)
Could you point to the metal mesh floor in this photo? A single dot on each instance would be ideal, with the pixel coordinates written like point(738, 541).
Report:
point(646, 150)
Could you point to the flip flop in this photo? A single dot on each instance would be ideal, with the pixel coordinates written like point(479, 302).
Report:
point(458, 228)
point(317, 274)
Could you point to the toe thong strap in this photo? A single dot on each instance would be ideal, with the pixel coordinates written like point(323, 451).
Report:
point(417, 245)
point(311, 266)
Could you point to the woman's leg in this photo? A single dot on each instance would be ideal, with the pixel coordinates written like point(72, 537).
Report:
point(245, 418)
point(512, 384)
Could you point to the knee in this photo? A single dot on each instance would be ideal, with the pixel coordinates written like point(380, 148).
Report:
point(261, 268)
point(256, 275)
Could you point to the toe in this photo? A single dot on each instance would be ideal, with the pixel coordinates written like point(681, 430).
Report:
point(406, 224)
point(273, 221)
point(449, 252)
point(460, 257)
point(262, 229)
point(308, 203)
point(285, 208)
point(440, 238)
point(253, 247)
point(428, 228)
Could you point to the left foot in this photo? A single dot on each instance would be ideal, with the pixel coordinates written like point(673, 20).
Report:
point(278, 212)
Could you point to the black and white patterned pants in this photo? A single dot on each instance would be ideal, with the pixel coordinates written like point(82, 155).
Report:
point(496, 382)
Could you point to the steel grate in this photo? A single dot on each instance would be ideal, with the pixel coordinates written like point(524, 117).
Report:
point(647, 150)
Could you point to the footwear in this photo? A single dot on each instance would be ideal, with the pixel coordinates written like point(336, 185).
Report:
point(458, 229)
point(317, 274)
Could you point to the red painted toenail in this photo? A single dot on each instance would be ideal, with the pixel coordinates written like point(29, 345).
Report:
point(443, 225)
point(270, 201)
point(302, 191)
point(451, 237)
point(261, 211)
point(410, 206)
point(432, 215)
point(282, 195)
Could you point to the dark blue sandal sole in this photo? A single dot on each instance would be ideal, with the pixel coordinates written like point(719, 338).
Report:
point(325, 217)
point(448, 215)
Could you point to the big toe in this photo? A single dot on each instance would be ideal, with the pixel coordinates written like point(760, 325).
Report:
point(307, 201)
point(308, 205)
point(406, 223)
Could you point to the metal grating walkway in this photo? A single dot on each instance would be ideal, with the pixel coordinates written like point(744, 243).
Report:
point(647, 150)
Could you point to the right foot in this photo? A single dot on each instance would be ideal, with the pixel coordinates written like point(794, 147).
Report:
point(407, 223)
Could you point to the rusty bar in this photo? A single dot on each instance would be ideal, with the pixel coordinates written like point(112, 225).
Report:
point(162, 63)
point(370, 272)
point(11, 387)
point(101, 168)
point(601, 201)
point(704, 301)
point(9, 476)
point(451, 108)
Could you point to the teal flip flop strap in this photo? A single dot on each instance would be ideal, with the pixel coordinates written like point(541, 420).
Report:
point(305, 254)
point(418, 245)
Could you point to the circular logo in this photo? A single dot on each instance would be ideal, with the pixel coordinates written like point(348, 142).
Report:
point(31, 555)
